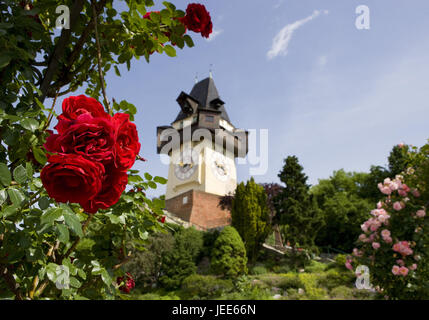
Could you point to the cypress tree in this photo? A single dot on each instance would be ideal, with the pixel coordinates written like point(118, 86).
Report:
point(296, 211)
point(250, 216)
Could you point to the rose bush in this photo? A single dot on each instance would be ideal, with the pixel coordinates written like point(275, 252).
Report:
point(395, 239)
point(68, 222)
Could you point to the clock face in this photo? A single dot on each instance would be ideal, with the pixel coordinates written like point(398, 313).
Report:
point(220, 166)
point(186, 165)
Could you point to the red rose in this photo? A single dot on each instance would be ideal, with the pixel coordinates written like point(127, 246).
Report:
point(127, 141)
point(72, 178)
point(128, 283)
point(77, 105)
point(114, 183)
point(198, 19)
point(91, 137)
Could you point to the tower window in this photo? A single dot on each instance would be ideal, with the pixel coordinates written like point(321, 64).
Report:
point(209, 118)
point(185, 200)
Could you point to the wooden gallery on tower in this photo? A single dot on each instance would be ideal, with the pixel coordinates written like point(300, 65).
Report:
point(202, 144)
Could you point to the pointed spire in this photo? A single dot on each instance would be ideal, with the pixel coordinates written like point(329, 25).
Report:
point(210, 71)
point(196, 77)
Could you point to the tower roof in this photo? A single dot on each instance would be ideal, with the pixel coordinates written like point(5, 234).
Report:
point(205, 92)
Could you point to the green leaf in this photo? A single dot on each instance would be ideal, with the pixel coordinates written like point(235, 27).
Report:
point(106, 277)
point(170, 51)
point(29, 170)
point(75, 283)
point(50, 215)
point(5, 176)
point(43, 203)
point(147, 176)
point(15, 196)
point(30, 124)
point(8, 211)
point(20, 174)
point(63, 233)
point(160, 180)
point(188, 40)
point(72, 221)
point(4, 60)
point(81, 273)
point(3, 196)
point(40, 155)
point(152, 184)
point(117, 71)
point(96, 267)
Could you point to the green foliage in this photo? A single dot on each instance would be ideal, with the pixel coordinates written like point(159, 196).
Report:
point(399, 159)
point(229, 254)
point(251, 216)
point(296, 211)
point(205, 287)
point(342, 293)
point(343, 209)
point(258, 270)
point(334, 277)
point(146, 266)
point(315, 266)
point(181, 261)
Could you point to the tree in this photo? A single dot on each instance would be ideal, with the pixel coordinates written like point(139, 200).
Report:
point(343, 208)
point(250, 216)
point(229, 254)
point(65, 252)
point(296, 211)
point(180, 262)
point(398, 159)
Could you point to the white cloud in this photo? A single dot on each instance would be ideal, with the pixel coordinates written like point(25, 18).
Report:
point(214, 34)
point(322, 61)
point(281, 40)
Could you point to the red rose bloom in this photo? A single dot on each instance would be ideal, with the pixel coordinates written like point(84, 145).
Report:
point(198, 19)
point(92, 138)
point(114, 183)
point(93, 152)
point(75, 106)
point(127, 141)
point(128, 283)
point(72, 178)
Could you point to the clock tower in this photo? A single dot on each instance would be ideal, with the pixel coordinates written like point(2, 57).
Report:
point(202, 144)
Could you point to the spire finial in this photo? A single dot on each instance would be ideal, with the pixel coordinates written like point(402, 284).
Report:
point(196, 77)
point(210, 71)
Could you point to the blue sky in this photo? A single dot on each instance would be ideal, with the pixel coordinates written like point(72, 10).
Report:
point(340, 97)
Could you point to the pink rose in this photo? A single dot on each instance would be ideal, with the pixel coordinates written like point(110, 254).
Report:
point(385, 233)
point(415, 193)
point(348, 265)
point(395, 270)
point(362, 237)
point(387, 239)
point(403, 271)
point(397, 206)
point(375, 245)
point(420, 213)
point(413, 266)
